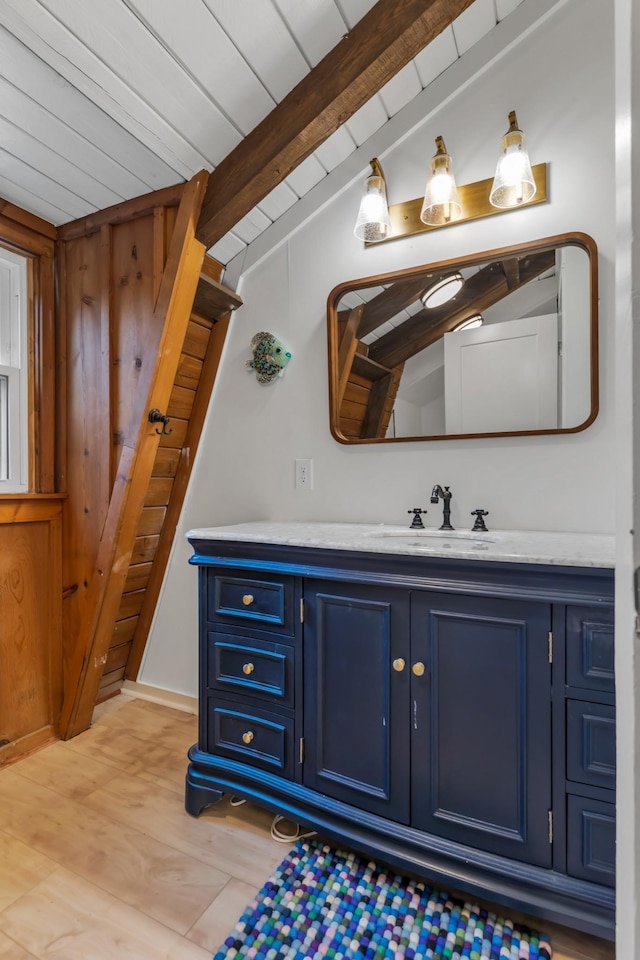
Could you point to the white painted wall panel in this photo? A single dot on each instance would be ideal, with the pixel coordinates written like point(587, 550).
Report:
point(32, 198)
point(476, 20)
point(198, 42)
point(367, 120)
point(43, 186)
point(317, 27)
point(435, 58)
point(505, 7)
point(279, 200)
point(335, 149)
point(260, 34)
point(38, 154)
point(50, 40)
point(227, 247)
point(112, 154)
point(398, 91)
point(306, 175)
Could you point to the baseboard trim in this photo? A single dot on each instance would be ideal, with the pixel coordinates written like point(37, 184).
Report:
point(179, 701)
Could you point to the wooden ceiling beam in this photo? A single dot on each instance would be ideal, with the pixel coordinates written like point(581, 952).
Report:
point(391, 34)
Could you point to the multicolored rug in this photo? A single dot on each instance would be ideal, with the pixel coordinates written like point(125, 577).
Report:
point(325, 903)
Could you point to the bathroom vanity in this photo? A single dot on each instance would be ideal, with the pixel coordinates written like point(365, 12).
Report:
point(443, 703)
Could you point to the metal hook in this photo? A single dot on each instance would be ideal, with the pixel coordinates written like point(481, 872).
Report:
point(156, 417)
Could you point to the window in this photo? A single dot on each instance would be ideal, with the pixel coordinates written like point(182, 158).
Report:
point(13, 373)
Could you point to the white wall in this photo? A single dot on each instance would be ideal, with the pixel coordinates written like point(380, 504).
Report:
point(563, 92)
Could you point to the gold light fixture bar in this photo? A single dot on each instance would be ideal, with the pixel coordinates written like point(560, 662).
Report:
point(474, 197)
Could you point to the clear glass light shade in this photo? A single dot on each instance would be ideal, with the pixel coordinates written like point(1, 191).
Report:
point(442, 291)
point(373, 223)
point(513, 183)
point(441, 204)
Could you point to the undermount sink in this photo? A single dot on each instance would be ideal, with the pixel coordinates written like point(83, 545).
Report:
point(411, 535)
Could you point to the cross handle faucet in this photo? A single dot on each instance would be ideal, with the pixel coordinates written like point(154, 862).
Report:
point(445, 495)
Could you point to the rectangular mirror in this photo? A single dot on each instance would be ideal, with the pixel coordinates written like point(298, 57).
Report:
point(500, 343)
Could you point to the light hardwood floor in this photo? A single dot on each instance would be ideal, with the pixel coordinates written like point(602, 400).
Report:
point(99, 861)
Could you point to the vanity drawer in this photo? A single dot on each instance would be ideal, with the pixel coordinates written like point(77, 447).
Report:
point(265, 601)
point(591, 840)
point(256, 668)
point(252, 736)
point(590, 651)
point(591, 743)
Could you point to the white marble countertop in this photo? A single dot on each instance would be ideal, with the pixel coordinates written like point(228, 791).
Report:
point(513, 546)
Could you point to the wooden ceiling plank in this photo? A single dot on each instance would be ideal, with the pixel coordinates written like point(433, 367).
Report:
point(383, 42)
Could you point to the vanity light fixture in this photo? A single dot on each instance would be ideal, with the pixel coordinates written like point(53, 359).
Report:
point(470, 323)
point(373, 223)
point(441, 204)
point(513, 183)
point(442, 291)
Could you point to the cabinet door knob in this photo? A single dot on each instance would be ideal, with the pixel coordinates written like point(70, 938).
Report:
point(248, 668)
point(399, 665)
point(247, 737)
point(418, 669)
point(247, 599)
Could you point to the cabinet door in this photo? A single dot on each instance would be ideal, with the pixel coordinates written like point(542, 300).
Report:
point(481, 747)
point(356, 702)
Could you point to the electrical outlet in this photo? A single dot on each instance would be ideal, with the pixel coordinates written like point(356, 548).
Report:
point(304, 474)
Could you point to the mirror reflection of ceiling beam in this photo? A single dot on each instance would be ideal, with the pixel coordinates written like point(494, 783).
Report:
point(479, 292)
point(397, 297)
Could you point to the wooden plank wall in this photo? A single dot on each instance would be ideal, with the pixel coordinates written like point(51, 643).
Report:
point(108, 273)
point(135, 341)
point(30, 523)
point(356, 403)
point(30, 623)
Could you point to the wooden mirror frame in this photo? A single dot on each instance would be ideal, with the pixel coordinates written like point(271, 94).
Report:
point(345, 349)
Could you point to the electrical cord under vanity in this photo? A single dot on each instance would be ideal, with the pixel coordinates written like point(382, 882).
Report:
point(277, 834)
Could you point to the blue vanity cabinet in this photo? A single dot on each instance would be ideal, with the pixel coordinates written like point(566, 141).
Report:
point(356, 696)
point(452, 718)
point(481, 723)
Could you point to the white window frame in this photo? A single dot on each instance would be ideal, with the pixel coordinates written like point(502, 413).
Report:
point(14, 437)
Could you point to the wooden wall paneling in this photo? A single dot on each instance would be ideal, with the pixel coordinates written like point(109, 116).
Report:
point(191, 440)
point(189, 372)
point(135, 328)
point(197, 339)
point(61, 350)
point(89, 440)
point(159, 248)
point(43, 381)
point(141, 206)
point(159, 491)
point(137, 577)
point(144, 548)
point(121, 526)
point(30, 616)
point(123, 631)
point(181, 402)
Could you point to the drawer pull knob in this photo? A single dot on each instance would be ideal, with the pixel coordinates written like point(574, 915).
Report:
point(247, 599)
point(248, 668)
point(418, 669)
point(247, 737)
point(399, 665)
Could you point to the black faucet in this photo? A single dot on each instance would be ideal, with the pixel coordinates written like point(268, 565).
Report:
point(446, 498)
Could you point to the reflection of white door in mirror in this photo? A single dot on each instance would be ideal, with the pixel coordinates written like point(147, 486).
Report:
point(502, 377)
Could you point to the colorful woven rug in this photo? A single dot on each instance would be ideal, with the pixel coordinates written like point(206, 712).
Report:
point(325, 903)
